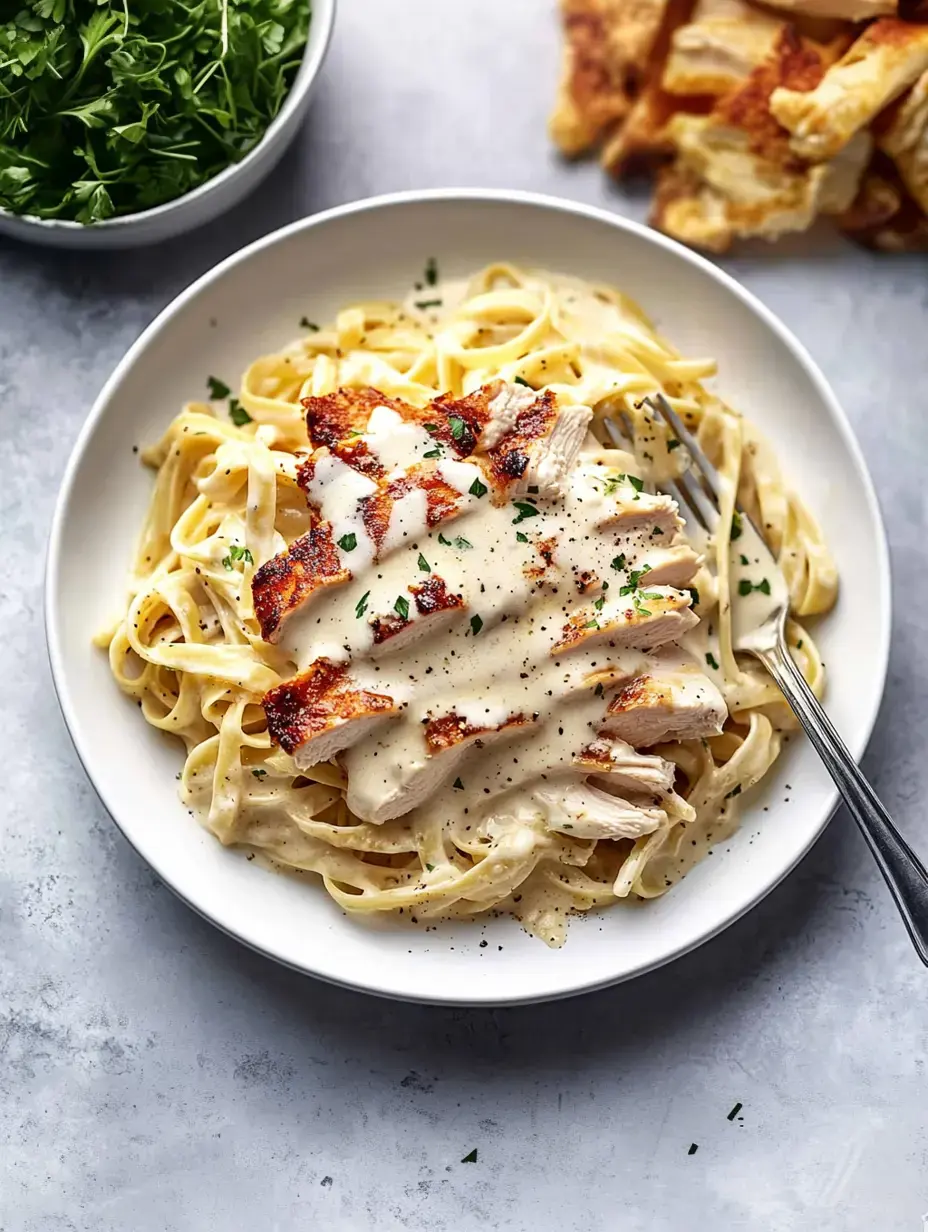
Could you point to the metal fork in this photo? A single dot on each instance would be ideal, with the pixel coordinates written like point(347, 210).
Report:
point(903, 871)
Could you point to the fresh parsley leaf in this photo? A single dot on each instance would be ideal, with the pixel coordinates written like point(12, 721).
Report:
point(672, 444)
point(401, 607)
point(591, 624)
point(651, 594)
point(238, 414)
point(458, 785)
point(238, 553)
point(525, 511)
point(598, 603)
point(521, 538)
point(430, 867)
point(259, 773)
point(618, 562)
point(476, 624)
point(442, 540)
point(361, 607)
point(745, 587)
point(348, 543)
point(423, 304)
point(432, 453)
point(424, 564)
point(744, 559)
point(478, 489)
point(763, 586)
point(430, 427)
point(217, 389)
point(712, 661)
point(636, 483)
point(737, 527)
point(518, 380)
point(305, 323)
point(457, 426)
point(461, 543)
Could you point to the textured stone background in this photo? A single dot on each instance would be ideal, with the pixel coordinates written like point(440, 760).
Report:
point(153, 1075)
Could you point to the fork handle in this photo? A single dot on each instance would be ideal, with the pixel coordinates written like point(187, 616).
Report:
point(903, 870)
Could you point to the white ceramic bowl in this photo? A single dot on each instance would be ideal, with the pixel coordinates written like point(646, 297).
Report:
point(208, 200)
point(251, 304)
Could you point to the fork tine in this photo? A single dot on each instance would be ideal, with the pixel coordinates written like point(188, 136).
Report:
point(690, 497)
point(701, 463)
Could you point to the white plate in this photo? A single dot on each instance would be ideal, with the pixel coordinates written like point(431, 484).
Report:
point(209, 199)
point(251, 304)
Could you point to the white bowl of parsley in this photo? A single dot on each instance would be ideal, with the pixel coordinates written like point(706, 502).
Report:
point(125, 125)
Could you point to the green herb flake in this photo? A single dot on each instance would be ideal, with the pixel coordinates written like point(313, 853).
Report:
point(348, 543)
point(763, 586)
point(430, 868)
point(361, 607)
point(462, 544)
point(672, 444)
point(598, 603)
point(457, 426)
point(744, 559)
point(745, 587)
point(637, 484)
point(442, 540)
point(217, 389)
point(476, 624)
point(712, 661)
point(652, 595)
point(432, 453)
point(618, 562)
point(431, 272)
point(525, 511)
point(458, 785)
point(470, 1157)
point(521, 537)
point(518, 380)
point(305, 323)
point(591, 624)
point(478, 489)
point(238, 414)
point(737, 527)
point(239, 553)
point(401, 607)
point(259, 773)
point(424, 564)
point(423, 304)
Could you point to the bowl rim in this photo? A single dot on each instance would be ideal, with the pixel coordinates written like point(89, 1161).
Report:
point(318, 38)
point(531, 200)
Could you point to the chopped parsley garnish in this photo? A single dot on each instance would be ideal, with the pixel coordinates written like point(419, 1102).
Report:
point(443, 540)
point(598, 691)
point(259, 774)
point(237, 553)
point(457, 426)
point(737, 526)
point(432, 453)
point(672, 444)
point(348, 543)
point(618, 562)
point(401, 606)
point(362, 605)
point(612, 484)
point(478, 489)
point(305, 323)
point(651, 594)
point(518, 380)
point(521, 538)
point(430, 427)
point(424, 564)
point(217, 389)
point(637, 484)
point(428, 303)
point(634, 577)
point(591, 624)
point(712, 661)
point(431, 272)
point(430, 867)
point(470, 1157)
point(476, 624)
point(238, 414)
point(799, 644)
point(745, 587)
point(744, 559)
point(525, 511)
point(458, 785)
point(462, 544)
point(598, 603)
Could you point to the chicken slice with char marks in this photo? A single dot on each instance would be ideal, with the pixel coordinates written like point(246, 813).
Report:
point(446, 741)
point(641, 620)
point(287, 581)
point(434, 607)
point(322, 711)
point(626, 768)
point(674, 700)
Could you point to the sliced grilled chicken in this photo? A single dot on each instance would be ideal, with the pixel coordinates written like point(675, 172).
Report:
point(633, 512)
point(447, 740)
point(433, 606)
point(581, 810)
point(322, 711)
point(905, 140)
point(719, 48)
point(641, 620)
point(290, 579)
point(672, 566)
point(624, 767)
point(887, 58)
point(341, 417)
point(673, 701)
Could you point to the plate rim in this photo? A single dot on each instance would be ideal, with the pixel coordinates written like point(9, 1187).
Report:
point(533, 200)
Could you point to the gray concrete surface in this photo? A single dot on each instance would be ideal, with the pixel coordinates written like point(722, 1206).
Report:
point(154, 1076)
